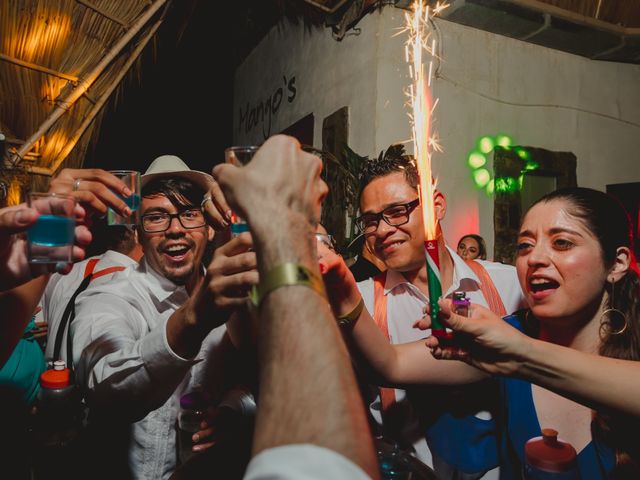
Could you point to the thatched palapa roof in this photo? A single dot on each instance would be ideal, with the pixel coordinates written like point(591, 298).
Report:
point(60, 63)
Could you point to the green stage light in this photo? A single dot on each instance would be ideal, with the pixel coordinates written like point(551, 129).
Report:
point(523, 154)
point(476, 160)
point(491, 187)
point(481, 177)
point(504, 141)
point(506, 184)
point(485, 144)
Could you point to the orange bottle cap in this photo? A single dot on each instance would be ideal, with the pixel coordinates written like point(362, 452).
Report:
point(55, 378)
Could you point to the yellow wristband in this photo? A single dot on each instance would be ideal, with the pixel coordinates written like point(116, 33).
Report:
point(285, 275)
point(350, 318)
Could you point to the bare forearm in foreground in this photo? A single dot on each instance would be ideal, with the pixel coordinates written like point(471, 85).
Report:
point(308, 389)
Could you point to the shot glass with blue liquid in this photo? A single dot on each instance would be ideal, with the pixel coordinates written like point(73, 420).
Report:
point(51, 238)
point(131, 178)
point(239, 156)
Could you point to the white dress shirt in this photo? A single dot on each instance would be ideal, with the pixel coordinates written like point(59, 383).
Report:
point(302, 462)
point(123, 359)
point(61, 288)
point(405, 304)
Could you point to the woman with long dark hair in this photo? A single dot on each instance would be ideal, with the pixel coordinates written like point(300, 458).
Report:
point(472, 246)
point(570, 362)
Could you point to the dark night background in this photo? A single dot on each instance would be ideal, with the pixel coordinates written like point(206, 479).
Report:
point(182, 104)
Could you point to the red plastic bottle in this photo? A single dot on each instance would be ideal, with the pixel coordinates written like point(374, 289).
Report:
point(57, 425)
point(547, 458)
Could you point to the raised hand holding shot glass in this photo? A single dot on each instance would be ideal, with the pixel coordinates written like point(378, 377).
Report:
point(131, 179)
point(239, 156)
point(51, 238)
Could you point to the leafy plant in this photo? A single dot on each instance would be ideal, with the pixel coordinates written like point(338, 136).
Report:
point(341, 206)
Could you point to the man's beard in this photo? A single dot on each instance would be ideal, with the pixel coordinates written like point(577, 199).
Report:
point(181, 279)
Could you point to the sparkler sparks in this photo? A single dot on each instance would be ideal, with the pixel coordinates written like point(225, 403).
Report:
point(421, 41)
point(420, 52)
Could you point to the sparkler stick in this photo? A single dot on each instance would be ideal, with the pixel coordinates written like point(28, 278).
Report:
point(420, 41)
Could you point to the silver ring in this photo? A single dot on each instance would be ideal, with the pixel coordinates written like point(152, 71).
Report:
point(76, 184)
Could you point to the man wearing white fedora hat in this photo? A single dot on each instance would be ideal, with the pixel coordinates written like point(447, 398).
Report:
point(213, 203)
point(148, 336)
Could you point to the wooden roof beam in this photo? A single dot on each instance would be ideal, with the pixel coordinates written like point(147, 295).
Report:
point(39, 68)
point(65, 104)
point(97, 106)
point(574, 17)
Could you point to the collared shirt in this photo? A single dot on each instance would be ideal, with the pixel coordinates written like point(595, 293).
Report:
point(124, 360)
point(405, 304)
point(61, 288)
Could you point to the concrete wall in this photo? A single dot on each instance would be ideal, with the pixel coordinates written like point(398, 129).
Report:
point(328, 75)
point(486, 84)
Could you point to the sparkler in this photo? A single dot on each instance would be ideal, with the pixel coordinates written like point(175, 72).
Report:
point(421, 40)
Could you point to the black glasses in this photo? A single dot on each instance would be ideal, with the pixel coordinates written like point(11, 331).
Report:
point(394, 216)
point(161, 221)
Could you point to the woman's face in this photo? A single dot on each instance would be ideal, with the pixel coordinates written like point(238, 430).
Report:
point(468, 248)
point(560, 264)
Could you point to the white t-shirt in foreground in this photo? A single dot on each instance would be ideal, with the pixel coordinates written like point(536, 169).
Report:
point(302, 462)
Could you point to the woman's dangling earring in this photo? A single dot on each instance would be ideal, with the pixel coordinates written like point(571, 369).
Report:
point(609, 314)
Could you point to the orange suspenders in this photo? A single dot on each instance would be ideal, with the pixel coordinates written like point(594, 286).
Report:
point(91, 265)
point(69, 313)
point(488, 289)
point(387, 395)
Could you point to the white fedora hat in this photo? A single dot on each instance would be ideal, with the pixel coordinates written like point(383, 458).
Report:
point(172, 166)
